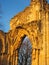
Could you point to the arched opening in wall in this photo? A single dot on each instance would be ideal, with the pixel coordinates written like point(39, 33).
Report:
point(25, 51)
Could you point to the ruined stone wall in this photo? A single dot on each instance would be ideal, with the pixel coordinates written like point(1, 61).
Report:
point(33, 22)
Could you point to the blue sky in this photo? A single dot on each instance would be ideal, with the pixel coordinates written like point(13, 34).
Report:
point(10, 8)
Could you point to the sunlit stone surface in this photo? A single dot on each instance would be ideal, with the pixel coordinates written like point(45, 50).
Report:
point(25, 52)
point(33, 22)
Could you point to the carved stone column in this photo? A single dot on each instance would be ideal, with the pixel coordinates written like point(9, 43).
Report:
point(13, 59)
point(16, 57)
point(35, 57)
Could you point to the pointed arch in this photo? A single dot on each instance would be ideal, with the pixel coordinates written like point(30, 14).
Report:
point(21, 34)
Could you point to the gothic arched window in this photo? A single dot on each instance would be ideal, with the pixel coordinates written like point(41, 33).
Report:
point(25, 52)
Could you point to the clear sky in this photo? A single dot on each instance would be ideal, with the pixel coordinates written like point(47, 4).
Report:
point(10, 8)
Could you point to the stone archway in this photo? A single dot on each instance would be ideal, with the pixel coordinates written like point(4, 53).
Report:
point(31, 30)
point(21, 33)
